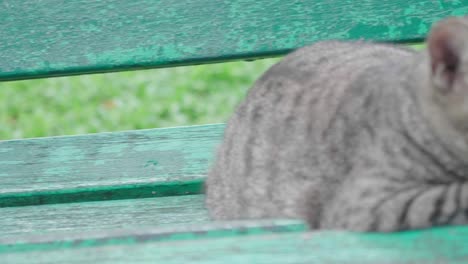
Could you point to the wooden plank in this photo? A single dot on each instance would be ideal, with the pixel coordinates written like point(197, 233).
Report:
point(55, 37)
point(442, 245)
point(104, 215)
point(131, 164)
point(60, 240)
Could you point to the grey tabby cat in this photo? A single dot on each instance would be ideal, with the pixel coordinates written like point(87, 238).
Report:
point(352, 135)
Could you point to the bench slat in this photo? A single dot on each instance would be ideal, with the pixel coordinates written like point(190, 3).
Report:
point(438, 245)
point(54, 37)
point(131, 164)
point(92, 216)
point(62, 240)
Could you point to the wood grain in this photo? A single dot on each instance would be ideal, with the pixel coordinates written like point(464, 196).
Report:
point(55, 37)
point(438, 245)
point(121, 236)
point(104, 215)
point(122, 165)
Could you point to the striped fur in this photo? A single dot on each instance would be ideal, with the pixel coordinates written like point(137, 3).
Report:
point(347, 135)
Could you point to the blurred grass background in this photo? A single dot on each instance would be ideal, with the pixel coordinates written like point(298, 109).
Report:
point(125, 100)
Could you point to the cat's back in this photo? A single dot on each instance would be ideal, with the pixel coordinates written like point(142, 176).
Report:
point(312, 81)
point(273, 148)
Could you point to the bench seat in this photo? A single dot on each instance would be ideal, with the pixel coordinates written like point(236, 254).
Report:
point(274, 242)
point(106, 166)
point(102, 215)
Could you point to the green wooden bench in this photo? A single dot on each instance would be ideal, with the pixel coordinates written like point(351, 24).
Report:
point(80, 198)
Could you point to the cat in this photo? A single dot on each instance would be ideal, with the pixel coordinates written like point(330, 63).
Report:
point(352, 135)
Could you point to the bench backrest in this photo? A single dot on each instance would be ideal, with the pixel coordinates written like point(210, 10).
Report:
point(53, 38)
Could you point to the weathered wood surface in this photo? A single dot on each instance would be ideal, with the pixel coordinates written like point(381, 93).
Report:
point(132, 164)
point(441, 245)
point(102, 237)
point(55, 37)
point(103, 215)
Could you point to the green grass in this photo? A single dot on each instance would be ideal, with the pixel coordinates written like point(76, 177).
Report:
point(125, 100)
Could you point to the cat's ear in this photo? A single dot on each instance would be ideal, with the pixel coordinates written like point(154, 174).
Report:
point(446, 43)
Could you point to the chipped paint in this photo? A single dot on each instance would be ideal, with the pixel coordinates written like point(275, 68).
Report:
point(120, 35)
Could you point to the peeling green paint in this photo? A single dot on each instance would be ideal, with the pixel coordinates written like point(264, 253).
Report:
point(121, 35)
point(68, 220)
point(106, 160)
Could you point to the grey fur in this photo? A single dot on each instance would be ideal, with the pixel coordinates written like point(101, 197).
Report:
point(350, 135)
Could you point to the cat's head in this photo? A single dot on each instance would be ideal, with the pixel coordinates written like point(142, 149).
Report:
point(448, 59)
